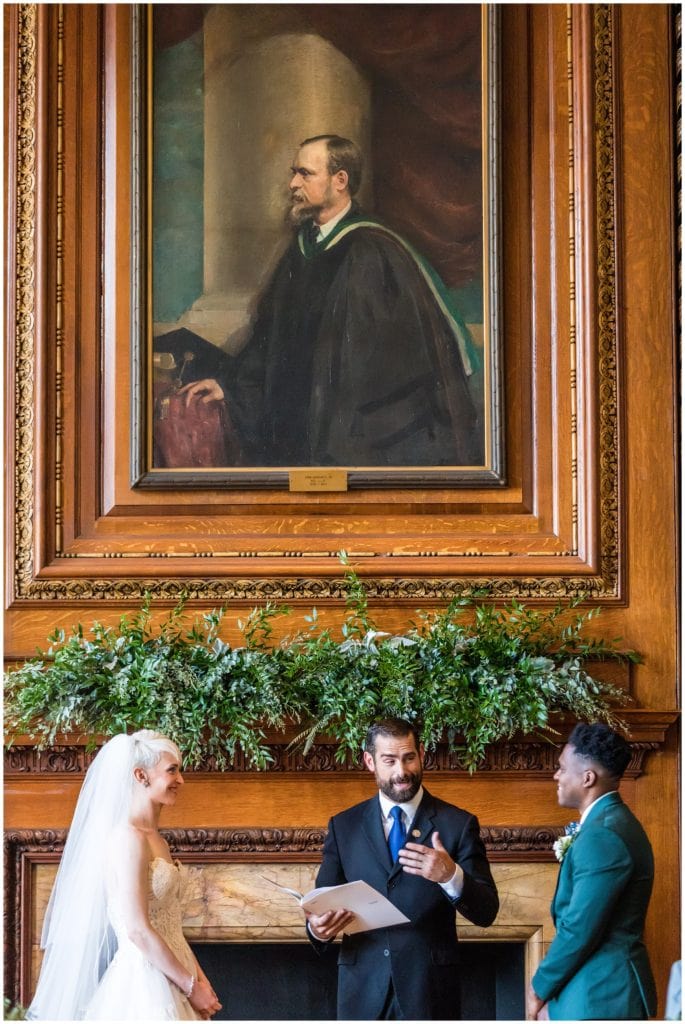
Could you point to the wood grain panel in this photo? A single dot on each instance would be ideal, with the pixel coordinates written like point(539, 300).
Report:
point(650, 351)
point(649, 367)
point(284, 801)
point(90, 544)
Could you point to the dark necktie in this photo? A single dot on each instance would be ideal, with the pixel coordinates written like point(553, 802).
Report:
point(398, 833)
point(312, 232)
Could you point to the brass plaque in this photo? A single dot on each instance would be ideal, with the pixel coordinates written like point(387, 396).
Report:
point(317, 479)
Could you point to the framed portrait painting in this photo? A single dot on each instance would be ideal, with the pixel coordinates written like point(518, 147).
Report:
point(317, 275)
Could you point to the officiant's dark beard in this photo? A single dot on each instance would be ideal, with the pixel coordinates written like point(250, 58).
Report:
point(400, 794)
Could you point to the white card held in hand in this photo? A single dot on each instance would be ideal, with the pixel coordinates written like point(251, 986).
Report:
point(370, 908)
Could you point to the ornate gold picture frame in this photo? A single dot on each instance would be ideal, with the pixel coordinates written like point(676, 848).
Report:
point(82, 531)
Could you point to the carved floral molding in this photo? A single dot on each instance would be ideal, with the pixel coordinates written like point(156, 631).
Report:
point(519, 759)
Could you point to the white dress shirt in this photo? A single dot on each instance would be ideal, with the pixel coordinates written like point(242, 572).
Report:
point(454, 885)
point(325, 229)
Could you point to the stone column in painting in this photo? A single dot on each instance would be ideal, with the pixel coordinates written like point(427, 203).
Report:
point(261, 101)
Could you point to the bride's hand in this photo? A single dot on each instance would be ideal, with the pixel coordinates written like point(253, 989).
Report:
point(203, 999)
point(203, 977)
point(201, 974)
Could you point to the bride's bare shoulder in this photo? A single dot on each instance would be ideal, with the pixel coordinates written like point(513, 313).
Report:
point(127, 839)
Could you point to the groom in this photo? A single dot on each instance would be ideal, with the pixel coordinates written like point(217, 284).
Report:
point(597, 967)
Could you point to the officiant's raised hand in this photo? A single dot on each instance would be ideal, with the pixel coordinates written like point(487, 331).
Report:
point(433, 863)
point(325, 927)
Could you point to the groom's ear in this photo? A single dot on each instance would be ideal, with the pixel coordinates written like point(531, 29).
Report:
point(589, 778)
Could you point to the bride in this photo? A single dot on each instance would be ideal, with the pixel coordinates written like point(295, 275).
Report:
point(113, 939)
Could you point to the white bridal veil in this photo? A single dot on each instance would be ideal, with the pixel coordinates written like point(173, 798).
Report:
point(77, 939)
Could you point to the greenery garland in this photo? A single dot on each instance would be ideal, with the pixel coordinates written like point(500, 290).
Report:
point(473, 679)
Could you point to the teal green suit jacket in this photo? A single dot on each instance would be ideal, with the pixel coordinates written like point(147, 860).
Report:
point(597, 967)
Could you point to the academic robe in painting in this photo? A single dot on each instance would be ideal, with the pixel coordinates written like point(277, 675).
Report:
point(354, 358)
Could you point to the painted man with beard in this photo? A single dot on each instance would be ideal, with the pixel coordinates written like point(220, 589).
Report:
point(409, 971)
point(355, 355)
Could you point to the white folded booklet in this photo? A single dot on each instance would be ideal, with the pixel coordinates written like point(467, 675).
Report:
point(371, 908)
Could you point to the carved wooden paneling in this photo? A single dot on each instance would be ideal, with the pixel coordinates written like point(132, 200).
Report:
point(553, 531)
point(526, 757)
point(591, 503)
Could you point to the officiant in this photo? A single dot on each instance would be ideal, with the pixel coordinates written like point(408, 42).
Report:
point(426, 856)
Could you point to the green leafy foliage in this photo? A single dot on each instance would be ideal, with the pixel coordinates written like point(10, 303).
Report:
point(471, 673)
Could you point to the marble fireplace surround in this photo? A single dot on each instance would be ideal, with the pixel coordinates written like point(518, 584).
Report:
point(231, 900)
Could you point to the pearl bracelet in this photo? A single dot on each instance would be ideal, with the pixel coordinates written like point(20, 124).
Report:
point(191, 986)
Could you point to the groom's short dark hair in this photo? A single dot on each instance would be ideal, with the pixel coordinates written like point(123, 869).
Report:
point(602, 745)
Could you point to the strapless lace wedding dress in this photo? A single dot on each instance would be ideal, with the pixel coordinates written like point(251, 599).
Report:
point(131, 988)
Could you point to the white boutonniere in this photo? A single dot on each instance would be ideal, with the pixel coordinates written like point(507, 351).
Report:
point(563, 844)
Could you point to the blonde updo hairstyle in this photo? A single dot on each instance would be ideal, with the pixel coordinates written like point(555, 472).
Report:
point(149, 747)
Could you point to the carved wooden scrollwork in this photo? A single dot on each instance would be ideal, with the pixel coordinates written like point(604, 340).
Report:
point(527, 757)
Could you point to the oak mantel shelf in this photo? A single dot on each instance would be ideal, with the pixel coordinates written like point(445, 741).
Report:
point(520, 756)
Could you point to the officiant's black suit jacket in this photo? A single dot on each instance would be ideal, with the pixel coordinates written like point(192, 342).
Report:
point(421, 958)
